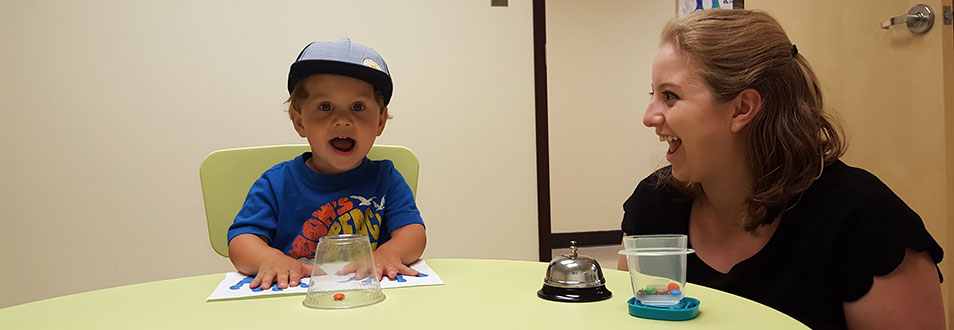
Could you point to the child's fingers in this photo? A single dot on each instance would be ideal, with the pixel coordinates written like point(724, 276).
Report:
point(348, 269)
point(267, 278)
point(391, 271)
point(293, 276)
point(405, 270)
point(379, 269)
point(363, 271)
point(281, 280)
point(309, 269)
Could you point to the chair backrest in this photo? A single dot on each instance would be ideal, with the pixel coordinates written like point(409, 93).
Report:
point(227, 175)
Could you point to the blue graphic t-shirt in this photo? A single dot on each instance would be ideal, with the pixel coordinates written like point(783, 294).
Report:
point(292, 206)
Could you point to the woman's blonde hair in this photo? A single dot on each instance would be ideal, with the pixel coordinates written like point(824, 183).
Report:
point(792, 138)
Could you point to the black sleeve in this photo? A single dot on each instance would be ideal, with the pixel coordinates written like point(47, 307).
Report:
point(874, 237)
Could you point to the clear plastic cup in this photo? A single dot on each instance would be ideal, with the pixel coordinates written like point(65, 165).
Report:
point(344, 275)
point(657, 267)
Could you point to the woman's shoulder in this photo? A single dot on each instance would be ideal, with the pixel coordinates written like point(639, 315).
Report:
point(851, 196)
point(845, 187)
point(854, 182)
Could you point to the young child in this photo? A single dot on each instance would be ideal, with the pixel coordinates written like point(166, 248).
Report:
point(339, 92)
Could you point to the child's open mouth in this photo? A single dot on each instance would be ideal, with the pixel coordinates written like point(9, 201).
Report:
point(342, 144)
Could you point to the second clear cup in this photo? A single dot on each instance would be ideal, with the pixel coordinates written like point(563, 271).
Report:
point(344, 275)
point(657, 267)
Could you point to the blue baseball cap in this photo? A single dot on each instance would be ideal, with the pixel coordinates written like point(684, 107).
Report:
point(345, 58)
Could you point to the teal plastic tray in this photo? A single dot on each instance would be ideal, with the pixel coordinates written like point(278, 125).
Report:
point(686, 309)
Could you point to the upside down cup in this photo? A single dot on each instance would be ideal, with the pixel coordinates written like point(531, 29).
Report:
point(344, 275)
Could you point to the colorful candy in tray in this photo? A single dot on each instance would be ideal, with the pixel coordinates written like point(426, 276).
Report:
point(671, 289)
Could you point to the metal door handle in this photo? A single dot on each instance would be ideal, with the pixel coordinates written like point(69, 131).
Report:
point(919, 19)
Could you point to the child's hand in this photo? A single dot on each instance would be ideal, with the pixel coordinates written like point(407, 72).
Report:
point(360, 269)
point(389, 264)
point(282, 270)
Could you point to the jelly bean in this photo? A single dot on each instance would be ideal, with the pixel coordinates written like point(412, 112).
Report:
point(662, 291)
point(650, 289)
point(339, 296)
point(673, 286)
point(675, 292)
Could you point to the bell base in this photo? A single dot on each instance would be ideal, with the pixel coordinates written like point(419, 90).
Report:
point(574, 294)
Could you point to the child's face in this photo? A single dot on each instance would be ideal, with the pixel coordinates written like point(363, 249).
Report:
point(685, 114)
point(341, 119)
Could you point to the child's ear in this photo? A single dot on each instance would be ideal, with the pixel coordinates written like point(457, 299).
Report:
point(747, 104)
point(295, 117)
point(382, 120)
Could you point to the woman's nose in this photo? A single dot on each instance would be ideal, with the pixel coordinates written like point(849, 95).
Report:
point(653, 116)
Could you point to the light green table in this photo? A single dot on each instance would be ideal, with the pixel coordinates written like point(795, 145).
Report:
point(478, 294)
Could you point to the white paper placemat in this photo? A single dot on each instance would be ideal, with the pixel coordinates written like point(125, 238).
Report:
point(235, 285)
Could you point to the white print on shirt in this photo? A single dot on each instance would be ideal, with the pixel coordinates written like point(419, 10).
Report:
point(364, 201)
point(378, 207)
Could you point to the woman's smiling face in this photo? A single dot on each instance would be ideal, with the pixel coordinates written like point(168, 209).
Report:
point(685, 114)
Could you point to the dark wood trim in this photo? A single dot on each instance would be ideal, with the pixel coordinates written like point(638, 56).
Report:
point(542, 133)
point(589, 238)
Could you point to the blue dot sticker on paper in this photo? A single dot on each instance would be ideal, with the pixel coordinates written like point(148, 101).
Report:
point(686, 309)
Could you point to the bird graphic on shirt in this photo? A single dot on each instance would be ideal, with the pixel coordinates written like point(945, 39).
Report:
point(377, 206)
point(364, 201)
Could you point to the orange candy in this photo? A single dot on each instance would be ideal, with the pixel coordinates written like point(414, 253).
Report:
point(339, 296)
point(673, 286)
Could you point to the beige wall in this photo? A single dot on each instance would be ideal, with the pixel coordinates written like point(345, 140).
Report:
point(599, 66)
point(109, 107)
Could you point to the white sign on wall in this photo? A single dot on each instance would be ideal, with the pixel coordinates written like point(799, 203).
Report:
point(688, 6)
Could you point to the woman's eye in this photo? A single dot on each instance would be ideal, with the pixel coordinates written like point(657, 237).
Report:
point(325, 107)
point(667, 95)
point(670, 96)
point(358, 107)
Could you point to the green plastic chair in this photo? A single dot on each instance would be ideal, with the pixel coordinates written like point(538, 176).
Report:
point(227, 175)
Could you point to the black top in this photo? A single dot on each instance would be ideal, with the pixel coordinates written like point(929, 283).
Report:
point(846, 228)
